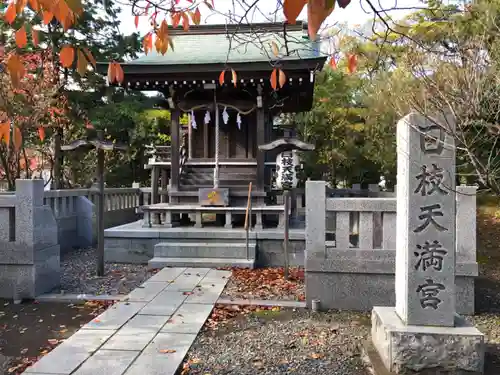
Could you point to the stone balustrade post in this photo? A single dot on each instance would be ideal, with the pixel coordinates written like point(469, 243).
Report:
point(315, 219)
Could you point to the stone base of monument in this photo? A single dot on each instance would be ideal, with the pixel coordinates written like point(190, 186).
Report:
point(406, 349)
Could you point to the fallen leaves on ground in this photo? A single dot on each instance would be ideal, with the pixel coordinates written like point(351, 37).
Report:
point(224, 313)
point(167, 350)
point(55, 328)
point(265, 283)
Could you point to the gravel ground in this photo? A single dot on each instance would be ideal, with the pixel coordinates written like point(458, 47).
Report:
point(265, 284)
point(79, 275)
point(279, 342)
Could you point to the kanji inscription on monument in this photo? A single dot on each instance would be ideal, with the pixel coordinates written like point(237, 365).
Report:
point(425, 255)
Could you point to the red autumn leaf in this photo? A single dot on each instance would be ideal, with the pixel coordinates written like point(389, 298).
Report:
point(222, 77)
point(17, 138)
point(47, 17)
point(34, 5)
point(185, 21)
point(89, 56)
point(41, 133)
point(352, 63)
point(317, 11)
point(120, 76)
point(136, 21)
point(111, 72)
point(176, 19)
point(16, 69)
point(67, 56)
point(333, 63)
point(5, 132)
point(292, 9)
point(21, 37)
point(81, 63)
point(274, 79)
point(10, 13)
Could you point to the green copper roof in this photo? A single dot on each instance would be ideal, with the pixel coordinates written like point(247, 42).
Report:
point(218, 48)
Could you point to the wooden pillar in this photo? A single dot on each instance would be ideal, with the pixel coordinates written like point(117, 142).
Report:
point(261, 139)
point(190, 138)
point(175, 135)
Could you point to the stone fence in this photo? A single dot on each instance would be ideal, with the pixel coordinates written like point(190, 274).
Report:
point(75, 211)
point(351, 243)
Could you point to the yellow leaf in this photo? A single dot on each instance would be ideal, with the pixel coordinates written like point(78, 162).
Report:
point(196, 16)
point(292, 9)
point(10, 13)
point(21, 37)
point(67, 56)
point(167, 351)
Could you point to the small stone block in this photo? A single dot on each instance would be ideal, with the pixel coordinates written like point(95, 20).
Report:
point(109, 362)
point(116, 316)
point(130, 339)
point(188, 319)
point(444, 350)
point(164, 304)
point(153, 361)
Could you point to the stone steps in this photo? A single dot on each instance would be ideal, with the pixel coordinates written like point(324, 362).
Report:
point(191, 249)
point(160, 262)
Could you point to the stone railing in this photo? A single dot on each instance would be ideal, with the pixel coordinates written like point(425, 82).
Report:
point(351, 243)
point(75, 213)
point(29, 249)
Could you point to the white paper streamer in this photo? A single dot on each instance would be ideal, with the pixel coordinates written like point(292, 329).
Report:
point(193, 120)
point(225, 116)
point(207, 117)
point(238, 120)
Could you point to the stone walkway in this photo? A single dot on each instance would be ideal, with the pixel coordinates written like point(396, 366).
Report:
point(147, 334)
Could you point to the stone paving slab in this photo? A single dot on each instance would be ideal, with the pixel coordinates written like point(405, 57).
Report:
point(206, 294)
point(188, 280)
point(65, 358)
point(167, 274)
point(147, 291)
point(165, 303)
point(137, 333)
point(153, 362)
point(116, 316)
point(148, 334)
point(188, 319)
point(108, 362)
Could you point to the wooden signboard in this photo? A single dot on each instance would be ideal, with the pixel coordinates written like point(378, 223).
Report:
point(213, 197)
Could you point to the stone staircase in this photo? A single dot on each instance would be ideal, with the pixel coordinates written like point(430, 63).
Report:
point(195, 177)
point(203, 254)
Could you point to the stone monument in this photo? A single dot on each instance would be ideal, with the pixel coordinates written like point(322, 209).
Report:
point(423, 333)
